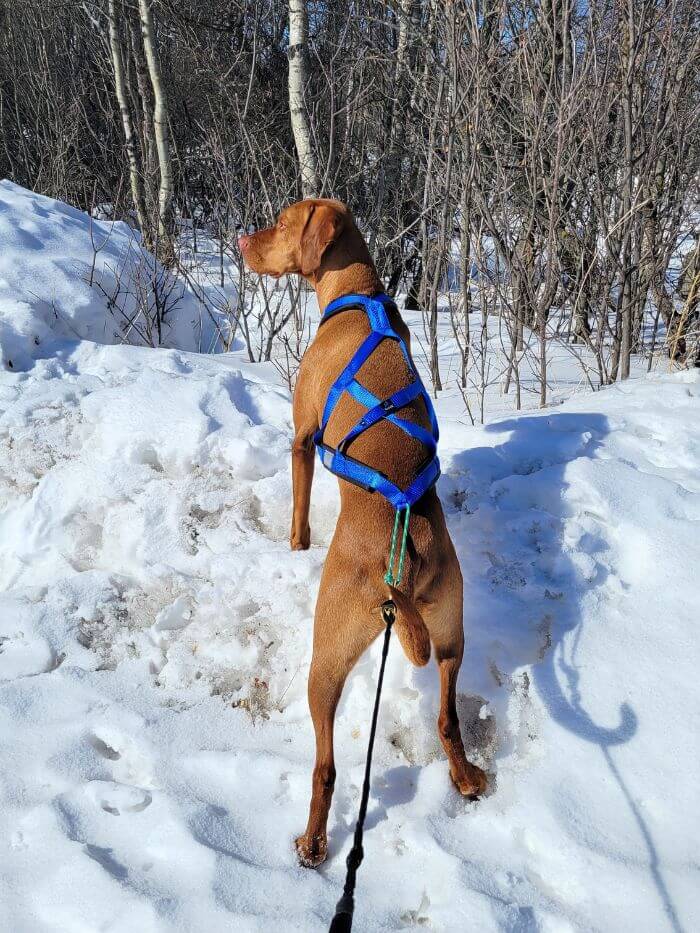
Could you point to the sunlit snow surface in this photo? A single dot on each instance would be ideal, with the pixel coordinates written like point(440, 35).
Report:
point(155, 635)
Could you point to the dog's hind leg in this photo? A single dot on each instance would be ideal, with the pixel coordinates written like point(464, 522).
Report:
point(343, 629)
point(443, 618)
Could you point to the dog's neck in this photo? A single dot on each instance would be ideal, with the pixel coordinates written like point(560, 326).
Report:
point(346, 268)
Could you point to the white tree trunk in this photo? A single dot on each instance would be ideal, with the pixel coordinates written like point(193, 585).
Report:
point(298, 79)
point(160, 124)
point(135, 170)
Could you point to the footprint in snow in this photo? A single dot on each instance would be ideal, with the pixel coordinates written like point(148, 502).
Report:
point(26, 655)
point(420, 917)
point(117, 798)
point(103, 749)
point(130, 766)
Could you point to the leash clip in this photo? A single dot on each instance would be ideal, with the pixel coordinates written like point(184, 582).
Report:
point(389, 612)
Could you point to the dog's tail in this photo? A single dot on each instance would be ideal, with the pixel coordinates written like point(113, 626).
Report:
point(411, 629)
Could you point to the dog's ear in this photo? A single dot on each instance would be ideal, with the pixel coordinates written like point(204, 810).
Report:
point(322, 228)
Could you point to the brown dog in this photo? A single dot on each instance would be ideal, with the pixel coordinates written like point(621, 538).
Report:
point(318, 239)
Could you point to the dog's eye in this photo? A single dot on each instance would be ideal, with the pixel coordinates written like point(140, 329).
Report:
point(281, 225)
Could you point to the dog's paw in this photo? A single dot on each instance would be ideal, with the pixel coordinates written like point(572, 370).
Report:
point(300, 541)
point(311, 852)
point(470, 781)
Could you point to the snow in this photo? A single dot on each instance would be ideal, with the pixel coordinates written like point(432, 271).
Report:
point(64, 275)
point(155, 635)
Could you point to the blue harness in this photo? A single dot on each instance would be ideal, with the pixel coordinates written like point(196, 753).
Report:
point(337, 460)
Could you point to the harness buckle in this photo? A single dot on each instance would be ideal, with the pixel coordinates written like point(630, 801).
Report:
point(388, 406)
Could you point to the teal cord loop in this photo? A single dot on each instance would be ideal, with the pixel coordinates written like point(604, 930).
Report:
point(393, 579)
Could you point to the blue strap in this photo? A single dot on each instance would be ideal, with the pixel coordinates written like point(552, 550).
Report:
point(372, 480)
point(337, 461)
point(362, 395)
point(366, 398)
point(383, 410)
point(363, 352)
point(374, 307)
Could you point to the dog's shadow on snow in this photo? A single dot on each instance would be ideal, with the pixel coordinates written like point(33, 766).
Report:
point(524, 585)
point(532, 476)
point(506, 509)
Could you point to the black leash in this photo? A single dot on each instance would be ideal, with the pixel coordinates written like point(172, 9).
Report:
point(342, 921)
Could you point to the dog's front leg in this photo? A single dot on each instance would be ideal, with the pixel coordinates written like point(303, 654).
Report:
point(305, 424)
point(302, 478)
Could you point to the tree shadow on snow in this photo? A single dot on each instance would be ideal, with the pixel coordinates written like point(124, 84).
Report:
point(523, 587)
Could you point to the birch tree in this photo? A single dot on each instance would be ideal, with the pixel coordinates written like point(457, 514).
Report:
point(161, 128)
point(135, 167)
point(298, 83)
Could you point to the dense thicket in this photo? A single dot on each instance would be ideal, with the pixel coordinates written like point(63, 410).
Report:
point(534, 155)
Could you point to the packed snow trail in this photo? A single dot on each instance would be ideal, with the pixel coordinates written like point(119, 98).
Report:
point(155, 635)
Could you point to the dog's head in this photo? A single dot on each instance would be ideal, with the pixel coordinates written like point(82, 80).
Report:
point(297, 242)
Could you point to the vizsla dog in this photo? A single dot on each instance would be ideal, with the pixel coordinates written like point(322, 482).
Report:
point(318, 239)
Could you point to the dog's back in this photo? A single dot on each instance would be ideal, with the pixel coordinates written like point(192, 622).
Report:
point(384, 446)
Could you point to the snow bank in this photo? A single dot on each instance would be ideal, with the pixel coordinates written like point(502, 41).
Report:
point(64, 275)
point(155, 636)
